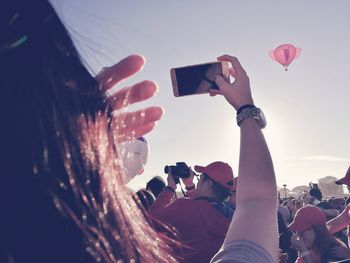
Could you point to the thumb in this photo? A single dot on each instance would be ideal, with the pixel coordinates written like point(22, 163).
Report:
point(220, 81)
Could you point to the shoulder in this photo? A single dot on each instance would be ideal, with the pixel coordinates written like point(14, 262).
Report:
point(242, 251)
point(324, 205)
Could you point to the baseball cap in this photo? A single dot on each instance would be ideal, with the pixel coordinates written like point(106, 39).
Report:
point(306, 217)
point(345, 179)
point(219, 172)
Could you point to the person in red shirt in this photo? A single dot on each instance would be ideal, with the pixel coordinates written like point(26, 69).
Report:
point(201, 220)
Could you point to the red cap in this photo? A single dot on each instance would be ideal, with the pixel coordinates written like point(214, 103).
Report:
point(219, 172)
point(306, 217)
point(345, 179)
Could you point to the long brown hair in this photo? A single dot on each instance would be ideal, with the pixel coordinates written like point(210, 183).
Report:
point(63, 195)
point(324, 240)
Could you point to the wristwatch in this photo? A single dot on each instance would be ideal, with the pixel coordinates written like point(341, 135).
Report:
point(250, 111)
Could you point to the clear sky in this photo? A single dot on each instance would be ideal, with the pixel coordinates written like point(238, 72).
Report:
point(307, 107)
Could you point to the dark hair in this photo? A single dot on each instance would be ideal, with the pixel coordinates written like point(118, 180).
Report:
point(62, 192)
point(156, 185)
point(285, 236)
point(221, 193)
point(315, 192)
point(146, 198)
point(324, 240)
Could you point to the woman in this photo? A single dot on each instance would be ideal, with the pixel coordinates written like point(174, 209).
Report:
point(63, 195)
point(312, 238)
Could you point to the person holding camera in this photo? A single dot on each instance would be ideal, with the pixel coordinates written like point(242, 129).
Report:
point(201, 220)
point(314, 197)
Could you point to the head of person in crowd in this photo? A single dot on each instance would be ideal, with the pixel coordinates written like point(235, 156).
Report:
point(62, 186)
point(156, 185)
point(146, 198)
point(345, 180)
point(290, 204)
point(216, 181)
point(311, 232)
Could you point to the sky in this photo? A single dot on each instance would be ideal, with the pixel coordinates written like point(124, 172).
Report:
point(306, 107)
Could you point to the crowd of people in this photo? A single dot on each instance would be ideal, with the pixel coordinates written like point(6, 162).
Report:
point(311, 229)
point(63, 193)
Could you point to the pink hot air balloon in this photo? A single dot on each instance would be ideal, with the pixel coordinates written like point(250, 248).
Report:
point(285, 54)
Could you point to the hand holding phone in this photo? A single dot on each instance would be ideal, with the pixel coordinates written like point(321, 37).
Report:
point(237, 93)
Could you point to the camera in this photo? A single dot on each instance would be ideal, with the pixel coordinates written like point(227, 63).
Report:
point(313, 186)
point(180, 170)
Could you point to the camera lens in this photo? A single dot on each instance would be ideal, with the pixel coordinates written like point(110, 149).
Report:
point(166, 169)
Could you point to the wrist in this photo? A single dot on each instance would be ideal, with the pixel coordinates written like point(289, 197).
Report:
point(243, 103)
point(244, 106)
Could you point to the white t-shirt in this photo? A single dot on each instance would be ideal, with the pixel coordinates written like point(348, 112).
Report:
point(242, 251)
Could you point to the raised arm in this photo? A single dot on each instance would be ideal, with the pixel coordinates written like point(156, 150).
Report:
point(255, 218)
point(340, 222)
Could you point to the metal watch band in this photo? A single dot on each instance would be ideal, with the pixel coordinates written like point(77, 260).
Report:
point(251, 112)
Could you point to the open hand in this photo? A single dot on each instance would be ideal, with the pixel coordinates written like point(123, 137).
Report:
point(129, 125)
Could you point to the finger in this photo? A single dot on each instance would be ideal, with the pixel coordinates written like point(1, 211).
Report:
point(214, 92)
point(235, 64)
point(125, 68)
point(138, 92)
point(135, 123)
point(232, 72)
point(221, 82)
point(133, 134)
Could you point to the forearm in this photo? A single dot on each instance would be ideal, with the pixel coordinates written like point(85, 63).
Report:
point(255, 218)
point(255, 167)
point(338, 223)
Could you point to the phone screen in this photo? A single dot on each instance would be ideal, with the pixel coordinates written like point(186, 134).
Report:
point(195, 79)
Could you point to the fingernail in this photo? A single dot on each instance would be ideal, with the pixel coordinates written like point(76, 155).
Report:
point(157, 87)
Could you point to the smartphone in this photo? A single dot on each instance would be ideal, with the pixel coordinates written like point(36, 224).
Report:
point(197, 79)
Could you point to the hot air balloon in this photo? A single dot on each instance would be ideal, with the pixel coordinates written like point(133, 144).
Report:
point(134, 156)
point(285, 54)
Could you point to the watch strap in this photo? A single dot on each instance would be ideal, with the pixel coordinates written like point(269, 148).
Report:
point(246, 106)
point(251, 112)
